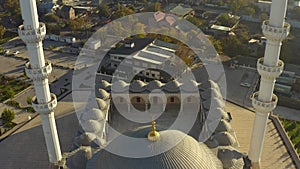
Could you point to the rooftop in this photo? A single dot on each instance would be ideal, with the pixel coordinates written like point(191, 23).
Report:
point(139, 44)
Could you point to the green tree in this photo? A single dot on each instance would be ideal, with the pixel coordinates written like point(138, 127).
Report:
point(249, 11)
point(9, 92)
point(225, 20)
point(8, 116)
point(153, 7)
point(79, 24)
point(2, 31)
point(233, 47)
point(29, 100)
point(217, 44)
point(104, 10)
point(13, 8)
point(263, 16)
point(196, 21)
point(236, 5)
point(53, 28)
point(52, 18)
point(122, 11)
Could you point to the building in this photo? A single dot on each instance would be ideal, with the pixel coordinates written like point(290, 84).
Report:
point(264, 6)
point(45, 8)
point(219, 151)
point(66, 12)
point(181, 10)
point(144, 57)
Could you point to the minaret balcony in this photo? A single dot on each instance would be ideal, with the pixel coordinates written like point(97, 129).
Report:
point(29, 35)
point(262, 106)
point(269, 72)
point(44, 107)
point(38, 73)
point(275, 33)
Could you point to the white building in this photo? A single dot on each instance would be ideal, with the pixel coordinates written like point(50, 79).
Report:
point(145, 57)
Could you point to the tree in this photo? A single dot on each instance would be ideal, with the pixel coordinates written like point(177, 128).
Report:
point(122, 11)
point(104, 10)
point(53, 28)
point(9, 92)
point(154, 7)
point(217, 44)
point(196, 21)
point(236, 5)
point(52, 18)
point(225, 20)
point(249, 11)
point(29, 100)
point(2, 31)
point(8, 116)
point(263, 16)
point(79, 24)
point(13, 8)
point(233, 47)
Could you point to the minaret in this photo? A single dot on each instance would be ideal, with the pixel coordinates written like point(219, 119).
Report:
point(269, 67)
point(32, 33)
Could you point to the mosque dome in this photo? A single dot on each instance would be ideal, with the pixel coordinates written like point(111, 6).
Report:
point(103, 94)
point(104, 84)
point(172, 86)
point(155, 84)
point(190, 86)
point(187, 153)
point(101, 104)
point(137, 86)
point(94, 114)
point(230, 157)
point(119, 86)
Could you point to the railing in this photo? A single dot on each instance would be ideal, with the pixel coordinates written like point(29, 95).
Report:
point(262, 106)
point(44, 107)
point(39, 73)
point(275, 33)
point(268, 71)
point(32, 35)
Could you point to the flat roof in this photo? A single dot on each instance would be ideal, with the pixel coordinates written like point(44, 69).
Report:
point(139, 44)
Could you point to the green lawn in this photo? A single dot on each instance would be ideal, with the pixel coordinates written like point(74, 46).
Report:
point(293, 130)
point(10, 86)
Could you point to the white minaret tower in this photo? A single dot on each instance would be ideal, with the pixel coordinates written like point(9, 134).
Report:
point(269, 67)
point(32, 33)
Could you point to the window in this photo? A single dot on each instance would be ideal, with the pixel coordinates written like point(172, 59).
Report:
point(172, 99)
point(147, 73)
point(153, 75)
point(138, 100)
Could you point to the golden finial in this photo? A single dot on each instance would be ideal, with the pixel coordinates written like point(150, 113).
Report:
point(153, 135)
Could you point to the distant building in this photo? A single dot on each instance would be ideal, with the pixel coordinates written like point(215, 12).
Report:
point(44, 8)
point(182, 11)
point(50, 1)
point(264, 6)
point(144, 57)
point(67, 12)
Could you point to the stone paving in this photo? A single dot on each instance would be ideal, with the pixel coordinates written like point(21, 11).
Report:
point(275, 154)
point(26, 149)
